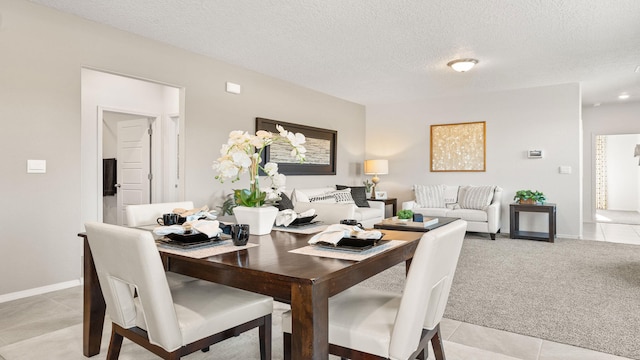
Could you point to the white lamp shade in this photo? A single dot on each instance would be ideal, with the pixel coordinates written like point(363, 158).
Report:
point(376, 167)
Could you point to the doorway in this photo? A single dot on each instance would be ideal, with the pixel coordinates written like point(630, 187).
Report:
point(617, 179)
point(108, 99)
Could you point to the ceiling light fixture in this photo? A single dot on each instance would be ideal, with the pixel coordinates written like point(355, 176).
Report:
point(637, 69)
point(623, 96)
point(462, 65)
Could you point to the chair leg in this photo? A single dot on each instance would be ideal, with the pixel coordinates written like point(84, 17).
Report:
point(114, 345)
point(436, 341)
point(286, 346)
point(264, 332)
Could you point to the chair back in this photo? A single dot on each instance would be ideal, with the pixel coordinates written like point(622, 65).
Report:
point(147, 214)
point(427, 287)
point(128, 258)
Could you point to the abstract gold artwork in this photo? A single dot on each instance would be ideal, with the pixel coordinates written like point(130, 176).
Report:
point(458, 147)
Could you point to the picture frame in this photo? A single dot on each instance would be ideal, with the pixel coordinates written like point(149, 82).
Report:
point(321, 148)
point(459, 147)
point(381, 195)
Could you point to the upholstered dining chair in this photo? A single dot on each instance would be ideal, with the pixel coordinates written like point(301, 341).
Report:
point(170, 322)
point(147, 214)
point(371, 324)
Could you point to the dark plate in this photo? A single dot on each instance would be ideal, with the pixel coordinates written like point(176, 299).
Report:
point(303, 221)
point(353, 244)
point(194, 238)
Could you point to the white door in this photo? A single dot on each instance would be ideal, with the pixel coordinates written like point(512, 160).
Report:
point(134, 164)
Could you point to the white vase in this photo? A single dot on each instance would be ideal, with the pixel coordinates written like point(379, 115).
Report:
point(260, 219)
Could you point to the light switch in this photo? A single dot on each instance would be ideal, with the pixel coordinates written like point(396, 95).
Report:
point(36, 166)
point(565, 169)
point(233, 88)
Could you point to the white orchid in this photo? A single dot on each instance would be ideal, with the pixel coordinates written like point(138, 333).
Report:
point(242, 153)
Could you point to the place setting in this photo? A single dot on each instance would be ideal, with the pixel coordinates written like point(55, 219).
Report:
point(348, 241)
point(202, 238)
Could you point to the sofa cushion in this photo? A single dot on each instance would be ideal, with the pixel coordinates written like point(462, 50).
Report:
point(476, 197)
point(358, 193)
point(429, 196)
point(468, 214)
point(450, 194)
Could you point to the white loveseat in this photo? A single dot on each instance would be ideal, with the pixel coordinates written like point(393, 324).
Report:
point(331, 210)
point(478, 205)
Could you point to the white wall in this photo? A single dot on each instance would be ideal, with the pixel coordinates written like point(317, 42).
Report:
point(43, 52)
point(623, 118)
point(622, 172)
point(546, 118)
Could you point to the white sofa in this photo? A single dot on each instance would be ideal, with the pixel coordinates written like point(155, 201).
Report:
point(478, 205)
point(331, 212)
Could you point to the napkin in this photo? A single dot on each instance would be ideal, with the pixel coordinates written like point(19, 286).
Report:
point(210, 228)
point(285, 217)
point(165, 230)
point(334, 233)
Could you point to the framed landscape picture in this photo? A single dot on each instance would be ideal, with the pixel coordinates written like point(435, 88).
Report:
point(321, 148)
point(458, 147)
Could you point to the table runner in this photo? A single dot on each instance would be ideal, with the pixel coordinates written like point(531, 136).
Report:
point(345, 254)
point(215, 248)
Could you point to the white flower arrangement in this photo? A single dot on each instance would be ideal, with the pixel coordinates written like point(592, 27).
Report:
point(242, 154)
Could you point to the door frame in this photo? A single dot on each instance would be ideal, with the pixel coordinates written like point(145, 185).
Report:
point(156, 153)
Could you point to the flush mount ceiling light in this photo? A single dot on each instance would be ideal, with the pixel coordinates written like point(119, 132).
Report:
point(623, 96)
point(462, 65)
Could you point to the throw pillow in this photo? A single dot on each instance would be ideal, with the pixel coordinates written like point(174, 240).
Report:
point(285, 203)
point(450, 194)
point(429, 196)
point(358, 193)
point(323, 198)
point(477, 197)
point(343, 196)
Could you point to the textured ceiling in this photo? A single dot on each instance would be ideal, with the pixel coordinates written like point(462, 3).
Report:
point(380, 51)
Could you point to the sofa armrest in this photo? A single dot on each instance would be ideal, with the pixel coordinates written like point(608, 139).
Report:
point(327, 212)
point(377, 205)
point(409, 205)
point(493, 217)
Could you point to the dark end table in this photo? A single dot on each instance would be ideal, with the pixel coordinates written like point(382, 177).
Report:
point(514, 219)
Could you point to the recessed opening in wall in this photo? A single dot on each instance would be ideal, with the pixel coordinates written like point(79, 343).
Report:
point(138, 123)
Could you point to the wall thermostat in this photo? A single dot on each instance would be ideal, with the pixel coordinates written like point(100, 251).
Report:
point(534, 154)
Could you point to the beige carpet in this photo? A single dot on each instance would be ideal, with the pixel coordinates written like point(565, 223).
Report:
point(578, 292)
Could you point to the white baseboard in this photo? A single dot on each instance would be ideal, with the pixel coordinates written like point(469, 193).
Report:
point(39, 290)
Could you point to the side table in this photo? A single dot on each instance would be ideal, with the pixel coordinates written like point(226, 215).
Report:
point(514, 219)
point(389, 201)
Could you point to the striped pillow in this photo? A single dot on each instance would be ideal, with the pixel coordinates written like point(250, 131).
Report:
point(323, 198)
point(430, 196)
point(477, 197)
point(343, 196)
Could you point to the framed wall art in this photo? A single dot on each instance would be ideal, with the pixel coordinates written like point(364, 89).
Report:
point(321, 148)
point(458, 147)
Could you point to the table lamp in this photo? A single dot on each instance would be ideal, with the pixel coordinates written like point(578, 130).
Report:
point(375, 168)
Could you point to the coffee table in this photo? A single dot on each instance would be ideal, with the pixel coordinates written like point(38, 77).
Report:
point(395, 224)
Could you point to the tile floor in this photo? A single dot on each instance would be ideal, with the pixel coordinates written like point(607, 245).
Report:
point(49, 326)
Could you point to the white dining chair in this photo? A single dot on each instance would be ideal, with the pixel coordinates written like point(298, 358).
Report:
point(169, 321)
point(147, 214)
point(373, 324)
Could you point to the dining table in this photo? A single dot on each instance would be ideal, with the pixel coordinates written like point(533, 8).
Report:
point(273, 268)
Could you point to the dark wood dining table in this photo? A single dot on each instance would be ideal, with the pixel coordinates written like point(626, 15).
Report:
point(305, 282)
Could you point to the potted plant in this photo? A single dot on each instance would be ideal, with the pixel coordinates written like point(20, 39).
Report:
point(367, 185)
point(529, 197)
point(405, 215)
point(242, 154)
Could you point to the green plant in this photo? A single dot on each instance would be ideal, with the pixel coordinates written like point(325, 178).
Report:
point(536, 196)
point(228, 205)
point(405, 214)
point(367, 184)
